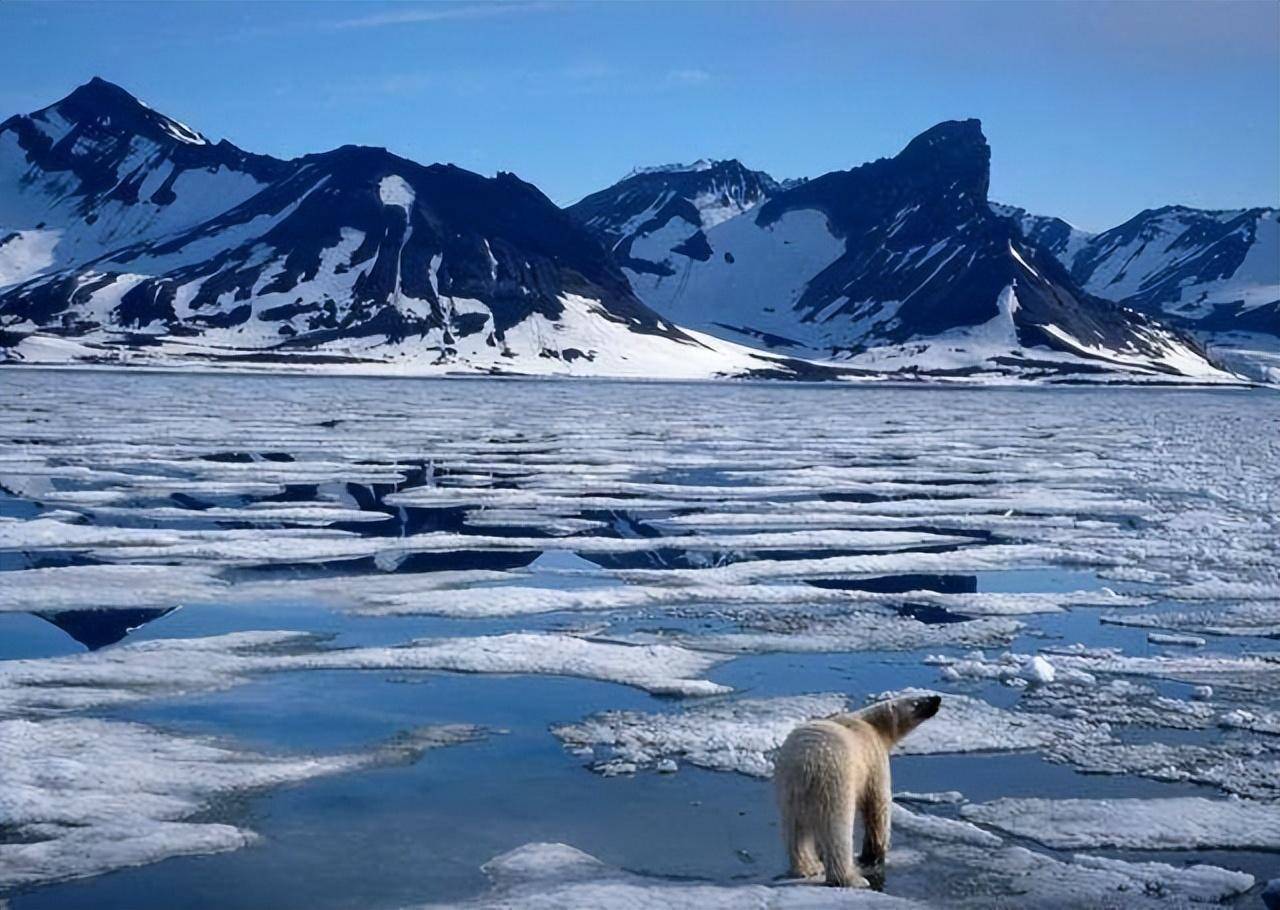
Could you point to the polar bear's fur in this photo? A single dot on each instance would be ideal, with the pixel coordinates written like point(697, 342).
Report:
point(830, 769)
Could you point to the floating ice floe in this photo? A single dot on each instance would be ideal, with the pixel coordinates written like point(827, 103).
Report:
point(740, 734)
point(51, 534)
point(268, 547)
point(1014, 669)
point(1012, 877)
point(730, 735)
point(170, 667)
point(519, 600)
point(1249, 672)
point(978, 868)
point(857, 632)
point(319, 514)
point(82, 796)
point(968, 559)
point(660, 669)
point(1082, 667)
point(1240, 768)
point(1260, 721)
point(1175, 639)
point(940, 797)
point(1260, 620)
point(1227, 590)
point(560, 877)
point(104, 587)
point(1120, 702)
point(1178, 823)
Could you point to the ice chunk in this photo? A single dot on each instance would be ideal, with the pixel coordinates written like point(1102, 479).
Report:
point(1179, 823)
point(1171, 638)
point(858, 632)
point(732, 735)
point(1261, 619)
point(979, 869)
point(560, 877)
point(1260, 721)
point(660, 669)
point(106, 587)
point(1039, 670)
point(166, 667)
point(83, 796)
point(519, 600)
point(740, 734)
point(1246, 769)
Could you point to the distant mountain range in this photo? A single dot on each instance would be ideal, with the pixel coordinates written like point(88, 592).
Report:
point(128, 237)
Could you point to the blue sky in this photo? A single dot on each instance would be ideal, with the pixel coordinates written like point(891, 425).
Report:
point(1094, 110)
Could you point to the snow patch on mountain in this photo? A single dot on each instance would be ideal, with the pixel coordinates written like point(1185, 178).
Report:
point(393, 190)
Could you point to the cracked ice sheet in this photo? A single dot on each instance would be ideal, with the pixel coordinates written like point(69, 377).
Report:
point(1180, 823)
point(1012, 877)
point(263, 547)
point(82, 796)
point(740, 734)
point(969, 559)
point(979, 871)
point(294, 513)
point(1235, 765)
point(1260, 619)
point(560, 877)
point(171, 667)
point(1252, 673)
point(513, 600)
point(51, 534)
point(107, 587)
point(852, 632)
point(1240, 768)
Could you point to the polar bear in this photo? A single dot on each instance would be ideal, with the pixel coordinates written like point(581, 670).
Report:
point(829, 769)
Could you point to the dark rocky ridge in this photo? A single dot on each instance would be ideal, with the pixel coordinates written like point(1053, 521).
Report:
point(497, 241)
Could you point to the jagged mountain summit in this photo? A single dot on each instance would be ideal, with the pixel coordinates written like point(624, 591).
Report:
point(686, 200)
point(125, 234)
point(900, 265)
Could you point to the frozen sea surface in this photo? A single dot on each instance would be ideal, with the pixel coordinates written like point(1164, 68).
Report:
point(323, 643)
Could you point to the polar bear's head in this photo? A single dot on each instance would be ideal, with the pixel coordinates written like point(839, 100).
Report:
point(896, 717)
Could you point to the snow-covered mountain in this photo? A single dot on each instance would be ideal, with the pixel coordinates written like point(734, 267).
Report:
point(1214, 271)
point(681, 200)
point(1214, 274)
point(127, 235)
point(900, 265)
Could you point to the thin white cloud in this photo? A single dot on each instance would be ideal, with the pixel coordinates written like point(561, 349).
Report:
point(433, 12)
point(691, 76)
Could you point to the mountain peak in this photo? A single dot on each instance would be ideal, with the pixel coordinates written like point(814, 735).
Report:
point(99, 90)
point(110, 106)
point(951, 140)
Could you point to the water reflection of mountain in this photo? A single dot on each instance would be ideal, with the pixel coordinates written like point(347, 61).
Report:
point(98, 628)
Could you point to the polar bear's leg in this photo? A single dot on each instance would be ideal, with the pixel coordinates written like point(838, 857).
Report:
point(877, 808)
point(834, 829)
point(800, 846)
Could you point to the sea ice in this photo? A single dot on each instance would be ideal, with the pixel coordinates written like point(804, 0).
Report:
point(1176, 823)
point(168, 667)
point(740, 734)
point(83, 796)
point(560, 877)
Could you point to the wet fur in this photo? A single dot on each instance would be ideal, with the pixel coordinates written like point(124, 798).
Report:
point(831, 769)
